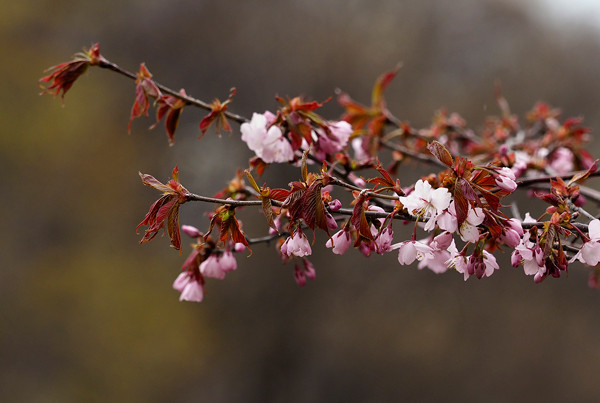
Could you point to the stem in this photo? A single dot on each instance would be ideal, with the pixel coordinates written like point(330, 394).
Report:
point(546, 178)
point(188, 100)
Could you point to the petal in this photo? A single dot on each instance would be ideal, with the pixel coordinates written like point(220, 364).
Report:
point(594, 230)
point(407, 253)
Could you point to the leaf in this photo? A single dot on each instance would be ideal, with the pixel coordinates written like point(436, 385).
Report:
point(173, 227)
point(380, 86)
point(581, 176)
point(279, 194)
point(313, 209)
point(229, 228)
point(171, 106)
point(441, 153)
point(144, 88)
point(267, 208)
point(359, 219)
point(467, 189)
point(217, 114)
point(460, 203)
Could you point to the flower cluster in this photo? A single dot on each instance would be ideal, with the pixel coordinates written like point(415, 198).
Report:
point(459, 214)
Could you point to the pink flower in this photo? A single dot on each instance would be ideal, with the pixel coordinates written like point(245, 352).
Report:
point(296, 245)
point(506, 179)
point(216, 266)
point(361, 152)
point(481, 264)
point(409, 251)
point(447, 219)
point(436, 261)
point(468, 230)
point(590, 251)
point(269, 144)
point(336, 139)
point(521, 164)
point(191, 231)
point(190, 287)
point(335, 205)
point(331, 223)
point(512, 233)
point(302, 273)
point(340, 242)
point(358, 181)
point(457, 260)
point(383, 241)
point(426, 202)
point(562, 161)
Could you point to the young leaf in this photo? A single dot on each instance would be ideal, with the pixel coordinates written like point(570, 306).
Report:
point(441, 153)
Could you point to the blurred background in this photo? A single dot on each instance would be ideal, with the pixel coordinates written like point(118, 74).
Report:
point(88, 314)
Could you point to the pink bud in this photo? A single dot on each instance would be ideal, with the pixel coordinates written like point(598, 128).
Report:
point(335, 205)
point(191, 231)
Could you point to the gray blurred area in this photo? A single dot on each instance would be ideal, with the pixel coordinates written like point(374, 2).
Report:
point(87, 314)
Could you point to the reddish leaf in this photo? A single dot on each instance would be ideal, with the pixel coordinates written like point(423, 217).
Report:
point(166, 208)
point(144, 88)
point(279, 194)
point(217, 114)
point(381, 84)
point(467, 189)
point(267, 208)
point(460, 203)
point(581, 176)
point(441, 153)
point(359, 220)
point(63, 75)
point(313, 209)
point(229, 228)
point(171, 106)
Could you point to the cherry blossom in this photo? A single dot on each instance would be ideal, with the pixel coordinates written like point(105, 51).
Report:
point(339, 242)
point(335, 140)
point(468, 230)
point(505, 179)
point(562, 161)
point(302, 273)
point(531, 256)
point(457, 260)
point(512, 233)
point(409, 251)
point(216, 266)
point(190, 286)
point(268, 143)
point(481, 264)
point(426, 202)
point(590, 251)
point(296, 245)
point(436, 261)
point(383, 241)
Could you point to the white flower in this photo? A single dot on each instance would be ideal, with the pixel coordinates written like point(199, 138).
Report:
point(409, 251)
point(468, 229)
point(590, 251)
point(426, 202)
point(457, 260)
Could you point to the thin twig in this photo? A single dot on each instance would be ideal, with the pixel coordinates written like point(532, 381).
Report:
point(188, 100)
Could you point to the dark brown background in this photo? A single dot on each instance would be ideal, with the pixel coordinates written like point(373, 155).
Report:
point(87, 314)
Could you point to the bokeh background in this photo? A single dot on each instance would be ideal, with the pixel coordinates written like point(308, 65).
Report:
point(87, 314)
